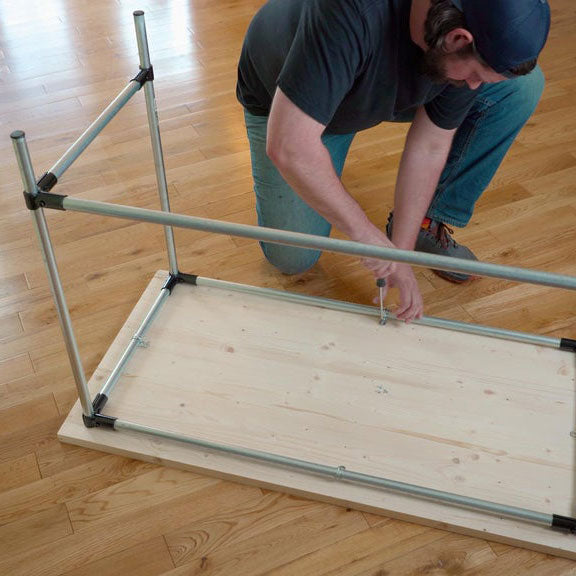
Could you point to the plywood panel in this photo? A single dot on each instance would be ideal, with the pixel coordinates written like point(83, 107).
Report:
point(473, 415)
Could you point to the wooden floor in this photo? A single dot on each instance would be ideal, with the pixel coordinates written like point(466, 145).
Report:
point(61, 62)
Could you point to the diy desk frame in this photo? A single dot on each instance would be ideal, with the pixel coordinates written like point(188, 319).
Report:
point(39, 196)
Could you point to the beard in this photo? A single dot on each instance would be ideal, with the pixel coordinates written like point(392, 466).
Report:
point(434, 65)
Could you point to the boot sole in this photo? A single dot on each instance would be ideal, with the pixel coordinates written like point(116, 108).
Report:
point(454, 280)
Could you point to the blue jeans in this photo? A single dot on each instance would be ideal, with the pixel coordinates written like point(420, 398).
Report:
point(480, 144)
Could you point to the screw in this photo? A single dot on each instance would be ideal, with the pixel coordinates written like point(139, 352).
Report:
point(141, 343)
point(381, 282)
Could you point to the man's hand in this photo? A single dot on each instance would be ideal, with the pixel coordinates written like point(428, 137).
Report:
point(380, 268)
point(397, 275)
point(411, 304)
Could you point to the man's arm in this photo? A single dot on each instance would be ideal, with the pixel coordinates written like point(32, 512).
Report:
point(294, 145)
point(424, 157)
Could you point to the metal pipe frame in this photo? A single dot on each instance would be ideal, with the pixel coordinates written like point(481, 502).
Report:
point(309, 241)
point(340, 473)
point(337, 472)
point(154, 126)
point(327, 303)
point(28, 178)
point(372, 311)
point(267, 235)
point(94, 129)
point(57, 170)
point(135, 341)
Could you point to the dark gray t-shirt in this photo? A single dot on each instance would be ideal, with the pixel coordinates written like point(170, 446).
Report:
point(349, 64)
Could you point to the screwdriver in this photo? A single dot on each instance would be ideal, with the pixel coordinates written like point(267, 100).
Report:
point(381, 283)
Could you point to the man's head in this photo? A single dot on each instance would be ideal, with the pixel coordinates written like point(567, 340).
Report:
point(475, 41)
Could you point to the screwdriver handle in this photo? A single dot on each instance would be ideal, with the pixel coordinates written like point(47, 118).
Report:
point(381, 282)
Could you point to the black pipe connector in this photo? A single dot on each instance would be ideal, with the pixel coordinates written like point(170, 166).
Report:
point(188, 278)
point(44, 200)
point(47, 182)
point(564, 523)
point(173, 279)
point(98, 421)
point(178, 278)
point(145, 75)
point(568, 344)
point(99, 402)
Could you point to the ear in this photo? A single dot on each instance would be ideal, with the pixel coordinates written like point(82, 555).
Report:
point(457, 39)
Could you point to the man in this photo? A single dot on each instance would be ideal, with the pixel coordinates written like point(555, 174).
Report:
point(312, 73)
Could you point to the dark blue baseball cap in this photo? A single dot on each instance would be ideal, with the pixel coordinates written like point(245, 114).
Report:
point(507, 33)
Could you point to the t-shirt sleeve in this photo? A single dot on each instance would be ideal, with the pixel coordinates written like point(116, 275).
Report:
point(450, 107)
point(324, 58)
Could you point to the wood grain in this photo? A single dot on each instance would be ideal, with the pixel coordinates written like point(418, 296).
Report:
point(489, 420)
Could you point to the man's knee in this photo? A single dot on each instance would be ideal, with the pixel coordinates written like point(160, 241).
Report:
point(290, 260)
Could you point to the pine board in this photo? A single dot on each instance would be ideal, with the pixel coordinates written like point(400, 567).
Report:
point(473, 415)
